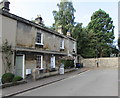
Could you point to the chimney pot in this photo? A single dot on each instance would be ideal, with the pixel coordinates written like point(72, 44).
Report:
point(68, 33)
point(4, 5)
point(59, 29)
point(39, 19)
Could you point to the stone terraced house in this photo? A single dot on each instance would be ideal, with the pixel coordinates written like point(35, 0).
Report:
point(34, 45)
point(119, 22)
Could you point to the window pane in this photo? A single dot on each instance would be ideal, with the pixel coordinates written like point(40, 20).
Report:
point(38, 38)
point(39, 61)
point(62, 44)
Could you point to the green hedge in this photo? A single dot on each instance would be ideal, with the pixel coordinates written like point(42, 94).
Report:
point(7, 77)
point(17, 78)
point(68, 63)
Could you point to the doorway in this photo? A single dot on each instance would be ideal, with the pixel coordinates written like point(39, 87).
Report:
point(20, 66)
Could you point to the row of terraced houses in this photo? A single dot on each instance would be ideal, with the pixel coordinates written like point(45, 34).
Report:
point(34, 46)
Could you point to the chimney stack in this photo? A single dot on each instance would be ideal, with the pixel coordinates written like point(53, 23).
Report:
point(4, 5)
point(39, 20)
point(59, 29)
point(68, 33)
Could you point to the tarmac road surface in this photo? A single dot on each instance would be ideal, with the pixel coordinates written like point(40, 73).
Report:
point(96, 82)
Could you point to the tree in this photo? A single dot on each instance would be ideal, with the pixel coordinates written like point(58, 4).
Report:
point(102, 30)
point(115, 51)
point(80, 34)
point(64, 16)
point(119, 42)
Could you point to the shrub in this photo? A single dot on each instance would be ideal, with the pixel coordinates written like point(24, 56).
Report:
point(7, 77)
point(68, 63)
point(17, 78)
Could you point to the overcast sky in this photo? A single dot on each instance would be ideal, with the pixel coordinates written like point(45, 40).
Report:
point(29, 9)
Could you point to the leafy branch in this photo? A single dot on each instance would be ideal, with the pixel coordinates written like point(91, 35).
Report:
point(7, 52)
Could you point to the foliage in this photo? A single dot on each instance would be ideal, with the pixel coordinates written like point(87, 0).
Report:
point(68, 63)
point(101, 33)
point(93, 41)
point(114, 50)
point(7, 55)
point(17, 78)
point(80, 34)
point(119, 42)
point(7, 77)
point(65, 16)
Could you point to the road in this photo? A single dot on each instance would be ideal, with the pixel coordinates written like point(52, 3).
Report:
point(96, 82)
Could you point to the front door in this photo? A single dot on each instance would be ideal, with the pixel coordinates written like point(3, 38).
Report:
point(53, 62)
point(19, 66)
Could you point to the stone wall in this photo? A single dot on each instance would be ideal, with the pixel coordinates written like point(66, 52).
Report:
point(26, 38)
point(0, 45)
point(8, 33)
point(102, 62)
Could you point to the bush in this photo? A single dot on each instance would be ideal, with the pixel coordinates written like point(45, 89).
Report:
point(17, 78)
point(68, 63)
point(7, 77)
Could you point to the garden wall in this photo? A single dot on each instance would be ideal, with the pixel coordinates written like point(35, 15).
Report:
point(102, 62)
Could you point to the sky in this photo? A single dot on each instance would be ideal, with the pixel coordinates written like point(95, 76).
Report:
point(29, 9)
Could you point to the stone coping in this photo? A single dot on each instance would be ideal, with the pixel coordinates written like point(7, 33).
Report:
point(49, 74)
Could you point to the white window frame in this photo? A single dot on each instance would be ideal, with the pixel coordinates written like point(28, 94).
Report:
point(75, 46)
point(52, 60)
point(62, 44)
point(41, 39)
point(41, 67)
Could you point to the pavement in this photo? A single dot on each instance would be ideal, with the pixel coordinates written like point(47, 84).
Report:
point(95, 82)
point(14, 90)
